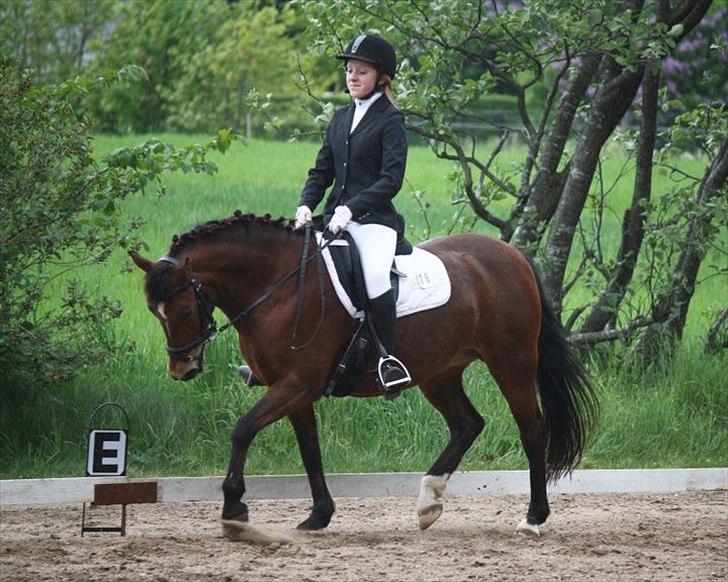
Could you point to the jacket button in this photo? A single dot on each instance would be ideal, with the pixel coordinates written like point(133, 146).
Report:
point(345, 164)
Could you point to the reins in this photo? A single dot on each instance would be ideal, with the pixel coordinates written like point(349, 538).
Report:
point(301, 282)
point(212, 331)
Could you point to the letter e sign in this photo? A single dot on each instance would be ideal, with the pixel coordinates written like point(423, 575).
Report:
point(106, 453)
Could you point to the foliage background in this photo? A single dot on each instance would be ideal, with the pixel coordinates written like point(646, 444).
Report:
point(673, 416)
point(90, 86)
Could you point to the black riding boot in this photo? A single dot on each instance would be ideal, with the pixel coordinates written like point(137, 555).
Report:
point(250, 379)
point(393, 374)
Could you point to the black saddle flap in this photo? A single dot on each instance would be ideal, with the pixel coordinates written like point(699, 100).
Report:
point(348, 268)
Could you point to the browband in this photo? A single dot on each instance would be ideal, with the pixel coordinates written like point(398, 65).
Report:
point(170, 260)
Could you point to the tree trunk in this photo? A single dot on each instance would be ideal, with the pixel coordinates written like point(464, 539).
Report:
point(672, 310)
point(713, 344)
point(614, 96)
point(634, 218)
point(548, 184)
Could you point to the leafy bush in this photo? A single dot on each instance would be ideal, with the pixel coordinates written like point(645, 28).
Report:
point(59, 212)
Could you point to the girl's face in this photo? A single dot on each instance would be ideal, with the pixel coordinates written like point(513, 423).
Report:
point(361, 78)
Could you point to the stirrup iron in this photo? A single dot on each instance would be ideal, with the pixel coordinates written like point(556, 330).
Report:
point(249, 378)
point(392, 373)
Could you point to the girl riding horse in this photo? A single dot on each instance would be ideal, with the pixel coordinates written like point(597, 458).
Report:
point(497, 313)
point(364, 155)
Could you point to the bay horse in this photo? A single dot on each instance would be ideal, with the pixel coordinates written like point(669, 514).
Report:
point(497, 313)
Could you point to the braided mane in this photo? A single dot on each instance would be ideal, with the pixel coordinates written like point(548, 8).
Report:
point(214, 226)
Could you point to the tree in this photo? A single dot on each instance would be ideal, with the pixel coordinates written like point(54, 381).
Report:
point(159, 37)
point(587, 61)
point(55, 40)
point(247, 52)
point(206, 62)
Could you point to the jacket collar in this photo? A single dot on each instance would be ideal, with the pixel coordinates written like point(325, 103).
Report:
point(379, 105)
point(369, 100)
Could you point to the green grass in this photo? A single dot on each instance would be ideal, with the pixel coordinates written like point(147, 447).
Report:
point(675, 416)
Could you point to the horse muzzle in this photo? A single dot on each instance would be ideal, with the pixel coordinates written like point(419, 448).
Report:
point(187, 369)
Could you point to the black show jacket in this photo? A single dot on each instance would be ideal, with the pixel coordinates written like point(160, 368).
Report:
point(366, 166)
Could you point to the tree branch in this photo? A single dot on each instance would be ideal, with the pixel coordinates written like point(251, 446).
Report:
point(543, 194)
point(623, 333)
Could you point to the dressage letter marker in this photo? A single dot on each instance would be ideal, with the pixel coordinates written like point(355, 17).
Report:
point(107, 458)
point(106, 453)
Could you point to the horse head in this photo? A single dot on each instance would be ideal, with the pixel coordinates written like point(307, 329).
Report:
point(176, 299)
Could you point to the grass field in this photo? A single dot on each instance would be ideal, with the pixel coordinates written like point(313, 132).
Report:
point(674, 417)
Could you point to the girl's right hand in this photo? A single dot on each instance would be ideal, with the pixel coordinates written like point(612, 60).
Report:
point(303, 216)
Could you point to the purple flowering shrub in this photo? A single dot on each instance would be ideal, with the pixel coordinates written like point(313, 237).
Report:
point(696, 71)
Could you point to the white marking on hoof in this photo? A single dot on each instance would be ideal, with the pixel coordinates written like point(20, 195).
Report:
point(429, 509)
point(530, 530)
point(245, 532)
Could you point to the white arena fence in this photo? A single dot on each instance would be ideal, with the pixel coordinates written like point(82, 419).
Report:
point(462, 483)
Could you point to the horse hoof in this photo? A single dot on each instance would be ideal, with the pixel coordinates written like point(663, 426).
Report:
point(429, 515)
point(231, 528)
point(313, 523)
point(245, 532)
point(530, 530)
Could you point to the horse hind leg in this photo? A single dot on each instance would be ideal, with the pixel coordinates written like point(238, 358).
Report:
point(446, 394)
point(517, 381)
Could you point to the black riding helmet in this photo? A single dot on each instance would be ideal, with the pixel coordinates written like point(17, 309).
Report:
point(372, 48)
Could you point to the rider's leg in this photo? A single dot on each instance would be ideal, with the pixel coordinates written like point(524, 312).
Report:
point(393, 373)
point(376, 244)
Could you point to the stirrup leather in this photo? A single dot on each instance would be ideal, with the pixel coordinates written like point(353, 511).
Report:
point(392, 373)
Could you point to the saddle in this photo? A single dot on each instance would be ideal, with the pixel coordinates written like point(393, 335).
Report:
point(348, 268)
point(420, 281)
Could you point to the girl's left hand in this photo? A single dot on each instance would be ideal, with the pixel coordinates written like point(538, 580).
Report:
point(342, 217)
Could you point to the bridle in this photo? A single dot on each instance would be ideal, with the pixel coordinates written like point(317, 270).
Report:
point(206, 306)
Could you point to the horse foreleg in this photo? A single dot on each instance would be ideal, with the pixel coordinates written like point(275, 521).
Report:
point(233, 487)
point(278, 401)
point(304, 425)
point(447, 395)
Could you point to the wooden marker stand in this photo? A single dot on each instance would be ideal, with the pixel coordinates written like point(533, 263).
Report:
point(107, 458)
point(119, 494)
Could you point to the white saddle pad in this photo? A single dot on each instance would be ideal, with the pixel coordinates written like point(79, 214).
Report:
point(425, 286)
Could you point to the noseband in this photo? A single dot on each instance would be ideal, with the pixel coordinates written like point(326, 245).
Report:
point(204, 306)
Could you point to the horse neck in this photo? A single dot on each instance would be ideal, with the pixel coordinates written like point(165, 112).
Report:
point(235, 271)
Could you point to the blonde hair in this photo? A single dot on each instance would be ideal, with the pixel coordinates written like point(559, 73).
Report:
point(387, 86)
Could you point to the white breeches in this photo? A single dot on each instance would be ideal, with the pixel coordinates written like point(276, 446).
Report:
point(376, 244)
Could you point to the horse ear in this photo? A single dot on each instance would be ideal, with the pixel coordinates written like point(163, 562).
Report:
point(140, 261)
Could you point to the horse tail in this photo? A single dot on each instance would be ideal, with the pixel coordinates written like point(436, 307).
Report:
point(569, 400)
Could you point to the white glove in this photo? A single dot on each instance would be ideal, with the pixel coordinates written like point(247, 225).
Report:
point(303, 216)
point(342, 216)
